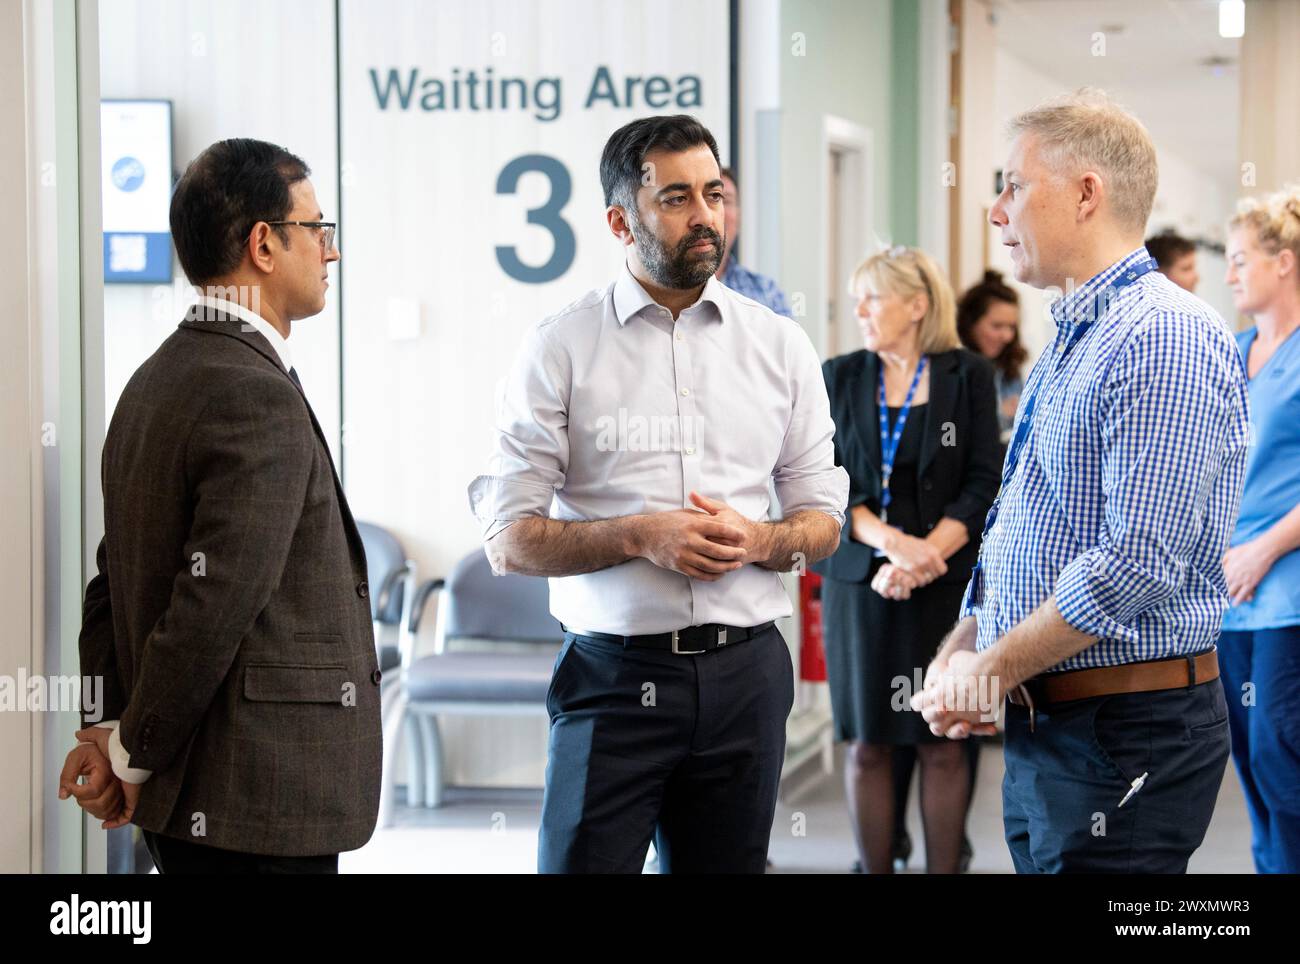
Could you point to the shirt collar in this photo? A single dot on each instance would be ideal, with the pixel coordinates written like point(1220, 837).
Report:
point(1080, 304)
point(257, 322)
point(630, 298)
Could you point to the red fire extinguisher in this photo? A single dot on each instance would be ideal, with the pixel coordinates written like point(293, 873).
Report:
point(812, 655)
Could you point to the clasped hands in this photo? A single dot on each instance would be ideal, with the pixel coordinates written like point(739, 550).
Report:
point(704, 543)
point(913, 563)
point(103, 795)
point(960, 697)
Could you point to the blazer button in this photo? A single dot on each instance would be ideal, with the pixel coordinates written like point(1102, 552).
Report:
point(376, 676)
point(363, 590)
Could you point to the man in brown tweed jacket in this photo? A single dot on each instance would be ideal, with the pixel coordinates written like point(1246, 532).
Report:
point(229, 619)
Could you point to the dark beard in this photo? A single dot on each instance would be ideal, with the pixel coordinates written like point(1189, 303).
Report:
point(678, 269)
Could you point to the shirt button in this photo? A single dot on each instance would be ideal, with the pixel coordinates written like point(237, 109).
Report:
point(690, 451)
point(686, 391)
point(678, 336)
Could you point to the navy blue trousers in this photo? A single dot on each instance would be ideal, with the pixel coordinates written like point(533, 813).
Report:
point(684, 749)
point(1261, 673)
point(1065, 780)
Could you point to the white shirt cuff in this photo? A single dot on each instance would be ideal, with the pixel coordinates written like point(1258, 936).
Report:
point(121, 760)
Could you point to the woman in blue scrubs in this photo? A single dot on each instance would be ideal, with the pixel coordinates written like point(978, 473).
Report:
point(1259, 651)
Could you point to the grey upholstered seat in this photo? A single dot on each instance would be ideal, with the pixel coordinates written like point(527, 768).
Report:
point(482, 677)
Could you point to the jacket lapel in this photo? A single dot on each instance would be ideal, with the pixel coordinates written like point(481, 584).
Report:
point(939, 412)
point(862, 387)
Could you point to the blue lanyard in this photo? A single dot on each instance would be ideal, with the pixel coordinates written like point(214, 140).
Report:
point(1028, 404)
point(889, 442)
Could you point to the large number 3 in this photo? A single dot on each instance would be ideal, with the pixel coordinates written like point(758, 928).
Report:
point(546, 216)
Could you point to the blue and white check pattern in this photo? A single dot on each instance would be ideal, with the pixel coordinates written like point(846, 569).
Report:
point(1128, 485)
point(758, 287)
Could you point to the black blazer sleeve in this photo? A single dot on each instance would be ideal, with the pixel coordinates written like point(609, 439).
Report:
point(984, 463)
point(851, 561)
point(98, 647)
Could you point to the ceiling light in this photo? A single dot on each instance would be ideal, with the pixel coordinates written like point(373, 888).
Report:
point(1232, 18)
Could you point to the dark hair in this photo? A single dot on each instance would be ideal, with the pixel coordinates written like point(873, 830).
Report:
point(224, 192)
point(1167, 247)
point(625, 151)
point(974, 305)
point(730, 175)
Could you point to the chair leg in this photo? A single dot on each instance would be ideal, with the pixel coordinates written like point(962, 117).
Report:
point(392, 710)
point(415, 752)
point(433, 762)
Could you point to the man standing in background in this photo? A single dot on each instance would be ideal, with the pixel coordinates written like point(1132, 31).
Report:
point(731, 272)
point(1175, 258)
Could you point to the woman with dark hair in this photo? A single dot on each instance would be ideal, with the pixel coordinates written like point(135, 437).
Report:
point(988, 323)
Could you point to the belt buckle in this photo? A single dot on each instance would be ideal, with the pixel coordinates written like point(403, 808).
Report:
point(689, 652)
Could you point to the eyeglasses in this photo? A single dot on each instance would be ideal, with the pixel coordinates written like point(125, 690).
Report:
point(328, 230)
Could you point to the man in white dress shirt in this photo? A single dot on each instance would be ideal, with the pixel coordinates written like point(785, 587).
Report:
point(639, 436)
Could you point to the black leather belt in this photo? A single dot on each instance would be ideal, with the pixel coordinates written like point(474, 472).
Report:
point(684, 642)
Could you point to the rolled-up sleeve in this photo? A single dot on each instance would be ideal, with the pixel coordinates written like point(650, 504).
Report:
point(968, 606)
point(531, 450)
point(1174, 418)
point(806, 476)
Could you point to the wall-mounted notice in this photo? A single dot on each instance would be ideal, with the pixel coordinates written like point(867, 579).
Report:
point(136, 153)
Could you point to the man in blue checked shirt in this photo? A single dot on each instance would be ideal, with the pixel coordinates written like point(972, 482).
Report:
point(733, 274)
point(1099, 593)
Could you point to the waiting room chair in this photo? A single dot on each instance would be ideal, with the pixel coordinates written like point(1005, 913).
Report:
point(474, 604)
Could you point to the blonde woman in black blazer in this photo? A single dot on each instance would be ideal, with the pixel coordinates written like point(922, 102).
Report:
point(893, 588)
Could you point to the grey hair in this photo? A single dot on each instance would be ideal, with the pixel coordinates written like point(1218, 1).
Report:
point(1087, 130)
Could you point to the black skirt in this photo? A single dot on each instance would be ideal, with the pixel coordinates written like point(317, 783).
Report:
point(877, 650)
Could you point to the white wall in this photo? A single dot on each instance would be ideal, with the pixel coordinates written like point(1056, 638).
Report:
point(1196, 205)
point(836, 62)
point(232, 68)
point(1015, 87)
point(17, 423)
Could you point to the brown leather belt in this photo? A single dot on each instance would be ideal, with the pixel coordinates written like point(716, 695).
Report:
point(1081, 684)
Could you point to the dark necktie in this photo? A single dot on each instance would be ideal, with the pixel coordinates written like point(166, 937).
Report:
point(293, 373)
